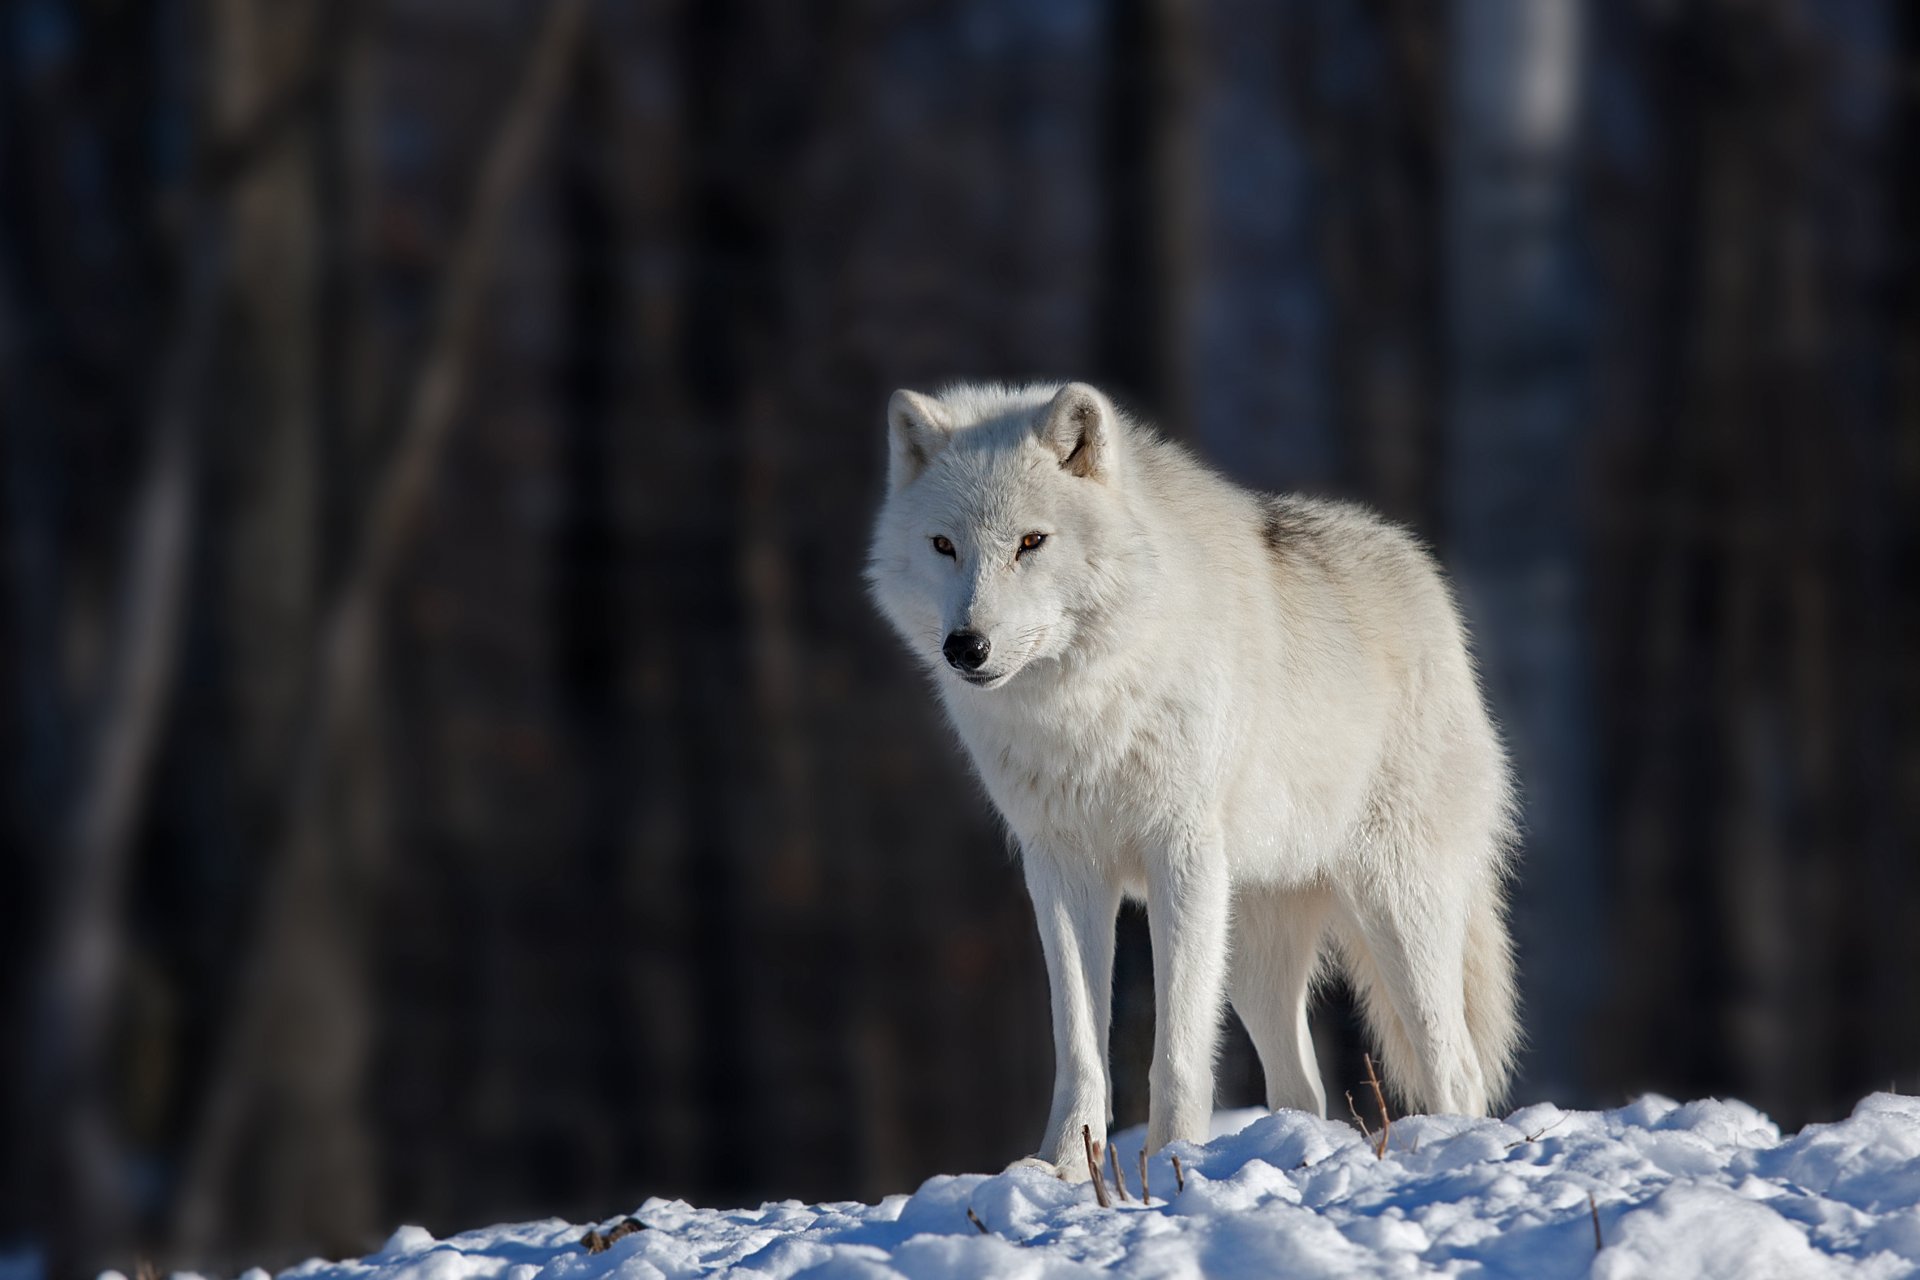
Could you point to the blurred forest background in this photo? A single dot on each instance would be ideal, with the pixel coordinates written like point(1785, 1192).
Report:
point(451, 769)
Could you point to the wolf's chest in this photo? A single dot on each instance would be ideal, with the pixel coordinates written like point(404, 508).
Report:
point(1098, 779)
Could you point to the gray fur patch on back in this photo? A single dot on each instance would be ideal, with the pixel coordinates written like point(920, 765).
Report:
point(1295, 532)
point(1284, 527)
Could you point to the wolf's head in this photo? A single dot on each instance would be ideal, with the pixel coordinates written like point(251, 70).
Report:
point(995, 548)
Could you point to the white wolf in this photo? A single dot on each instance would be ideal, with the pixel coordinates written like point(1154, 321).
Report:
point(1256, 713)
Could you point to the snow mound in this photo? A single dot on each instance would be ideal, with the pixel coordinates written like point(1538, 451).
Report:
point(1701, 1189)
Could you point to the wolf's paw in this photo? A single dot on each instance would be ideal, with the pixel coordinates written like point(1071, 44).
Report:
point(1068, 1171)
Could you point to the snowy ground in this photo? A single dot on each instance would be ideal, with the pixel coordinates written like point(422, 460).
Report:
point(1701, 1189)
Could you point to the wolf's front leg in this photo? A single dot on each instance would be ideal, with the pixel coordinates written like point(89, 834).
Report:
point(1075, 910)
point(1188, 902)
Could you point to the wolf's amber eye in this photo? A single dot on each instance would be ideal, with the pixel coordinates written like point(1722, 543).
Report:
point(942, 544)
point(1028, 543)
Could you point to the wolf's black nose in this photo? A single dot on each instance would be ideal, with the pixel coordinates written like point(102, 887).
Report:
point(966, 650)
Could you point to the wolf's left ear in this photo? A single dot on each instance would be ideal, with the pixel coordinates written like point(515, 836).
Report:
point(917, 428)
point(1080, 427)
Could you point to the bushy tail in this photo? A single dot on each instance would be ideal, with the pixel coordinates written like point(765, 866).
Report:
point(1490, 999)
point(1493, 1014)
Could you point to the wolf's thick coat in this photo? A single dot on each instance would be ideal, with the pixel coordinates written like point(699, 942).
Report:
point(1256, 714)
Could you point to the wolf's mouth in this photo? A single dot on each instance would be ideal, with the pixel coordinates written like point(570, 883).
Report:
point(979, 681)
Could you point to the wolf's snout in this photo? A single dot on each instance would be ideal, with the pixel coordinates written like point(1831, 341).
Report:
point(966, 650)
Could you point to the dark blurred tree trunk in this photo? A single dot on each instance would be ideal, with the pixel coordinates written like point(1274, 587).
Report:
point(1659, 877)
point(753, 864)
point(353, 430)
point(1150, 150)
point(272, 445)
point(1511, 464)
point(591, 626)
point(306, 1129)
point(1896, 949)
point(1767, 916)
point(1376, 150)
point(39, 725)
point(726, 235)
point(642, 172)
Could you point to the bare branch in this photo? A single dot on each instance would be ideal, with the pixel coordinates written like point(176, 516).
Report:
point(75, 987)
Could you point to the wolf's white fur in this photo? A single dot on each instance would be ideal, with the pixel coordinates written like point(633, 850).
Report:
point(1256, 714)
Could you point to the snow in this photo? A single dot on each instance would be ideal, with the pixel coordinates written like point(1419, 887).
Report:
point(1706, 1188)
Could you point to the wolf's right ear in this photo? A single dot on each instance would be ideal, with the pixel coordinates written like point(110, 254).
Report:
point(1079, 426)
point(917, 429)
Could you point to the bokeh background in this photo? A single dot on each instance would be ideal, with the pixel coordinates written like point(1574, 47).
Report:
point(451, 769)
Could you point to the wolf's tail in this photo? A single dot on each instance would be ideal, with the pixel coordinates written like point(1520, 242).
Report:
point(1493, 1016)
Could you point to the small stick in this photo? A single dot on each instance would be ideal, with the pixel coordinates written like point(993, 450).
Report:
point(1358, 1118)
point(1093, 1167)
point(1119, 1179)
point(1594, 1209)
point(1146, 1196)
point(974, 1218)
point(1537, 1134)
point(1179, 1178)
point(1380, 1097)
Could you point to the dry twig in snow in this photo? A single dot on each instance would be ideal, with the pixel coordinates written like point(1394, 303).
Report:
point(1380, 1098)
point(1093, 1167)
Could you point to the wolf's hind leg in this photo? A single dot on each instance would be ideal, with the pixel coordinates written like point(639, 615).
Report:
point(1276, 948)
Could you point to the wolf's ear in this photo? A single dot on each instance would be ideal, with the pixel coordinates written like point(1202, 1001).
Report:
point(1080, 427)
point(917, 429)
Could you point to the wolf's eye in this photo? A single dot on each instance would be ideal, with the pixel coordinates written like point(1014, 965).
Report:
point(1028, 543)
point(943, 545)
